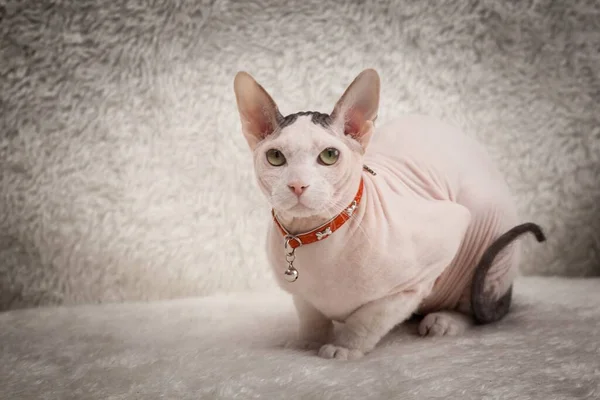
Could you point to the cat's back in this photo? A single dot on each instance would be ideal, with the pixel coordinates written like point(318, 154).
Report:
point(432, 150)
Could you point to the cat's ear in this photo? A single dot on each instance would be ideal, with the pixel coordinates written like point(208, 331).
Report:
point(357, 109)
point(258, 112)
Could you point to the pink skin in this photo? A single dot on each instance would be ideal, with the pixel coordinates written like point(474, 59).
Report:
point(297, 187)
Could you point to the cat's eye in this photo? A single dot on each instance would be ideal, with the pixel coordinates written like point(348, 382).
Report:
point(275, 158)
point(329, 156)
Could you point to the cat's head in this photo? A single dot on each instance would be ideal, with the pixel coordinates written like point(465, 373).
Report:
point(307, 164)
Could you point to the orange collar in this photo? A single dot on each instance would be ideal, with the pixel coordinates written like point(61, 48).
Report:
point(324, 230)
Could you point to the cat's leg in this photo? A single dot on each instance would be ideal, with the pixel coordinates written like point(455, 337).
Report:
point(492, 217)
point(498, 280)
point(364, 328)
point(492, 214)
point(315, 329)
point(460, 318)
point(444, 323)
point(455, 322)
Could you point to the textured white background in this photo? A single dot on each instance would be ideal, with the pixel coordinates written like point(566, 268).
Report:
point(124, 175)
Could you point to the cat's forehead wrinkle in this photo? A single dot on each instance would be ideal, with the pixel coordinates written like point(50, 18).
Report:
point(316, 117)
point(303, 137)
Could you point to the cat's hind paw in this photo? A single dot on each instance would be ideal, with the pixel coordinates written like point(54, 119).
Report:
point(331, 351)
point(444, 323)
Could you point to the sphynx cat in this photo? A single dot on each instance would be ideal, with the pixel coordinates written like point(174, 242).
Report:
point(372, 226)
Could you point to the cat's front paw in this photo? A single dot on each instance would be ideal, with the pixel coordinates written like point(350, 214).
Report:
point(302, 344)
point(330, 351)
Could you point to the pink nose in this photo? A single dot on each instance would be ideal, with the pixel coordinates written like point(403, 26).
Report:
point(297, 187)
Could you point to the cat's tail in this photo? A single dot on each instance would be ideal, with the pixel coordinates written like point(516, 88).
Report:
point(485, 309)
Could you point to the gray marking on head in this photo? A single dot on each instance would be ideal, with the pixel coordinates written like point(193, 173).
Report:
point(316, 117)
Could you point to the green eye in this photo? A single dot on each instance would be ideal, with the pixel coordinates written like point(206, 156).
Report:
point(329, 156)
point(275, 158)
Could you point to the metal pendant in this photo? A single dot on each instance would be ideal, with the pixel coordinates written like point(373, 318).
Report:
point(291, 274)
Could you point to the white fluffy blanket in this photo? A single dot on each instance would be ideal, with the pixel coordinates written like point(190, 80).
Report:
point(230, 347)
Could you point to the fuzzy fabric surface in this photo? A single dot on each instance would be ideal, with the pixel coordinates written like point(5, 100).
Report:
point(230, 347)
point(124, 174)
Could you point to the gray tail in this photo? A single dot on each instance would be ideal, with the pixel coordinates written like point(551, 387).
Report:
point(485, 309)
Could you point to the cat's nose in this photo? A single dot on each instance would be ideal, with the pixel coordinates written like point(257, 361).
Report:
point(297, 187)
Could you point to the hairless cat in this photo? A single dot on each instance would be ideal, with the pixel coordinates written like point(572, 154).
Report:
point(370, 226)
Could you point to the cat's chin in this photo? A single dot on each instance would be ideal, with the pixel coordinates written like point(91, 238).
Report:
point(299, 211)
